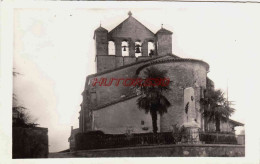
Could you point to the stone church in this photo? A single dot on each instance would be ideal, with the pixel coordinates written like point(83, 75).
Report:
point(126, 52)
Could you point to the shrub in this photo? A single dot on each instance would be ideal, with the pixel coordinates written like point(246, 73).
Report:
point(218, 138)
point(99, 140)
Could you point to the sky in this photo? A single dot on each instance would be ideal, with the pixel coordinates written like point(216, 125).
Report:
point(54, 52)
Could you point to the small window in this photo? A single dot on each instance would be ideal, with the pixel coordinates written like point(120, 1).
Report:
point(142, 122)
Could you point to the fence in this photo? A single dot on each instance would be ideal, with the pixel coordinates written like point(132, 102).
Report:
point(85, 141)
point(218, 138)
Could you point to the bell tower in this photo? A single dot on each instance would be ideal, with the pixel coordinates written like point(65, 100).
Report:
point(129, 42)
point(163, 42)
point(101, 41)
point(103, 60)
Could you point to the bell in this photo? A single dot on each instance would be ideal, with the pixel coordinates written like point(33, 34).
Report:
point(137, 49)
point(151, 53)
point(124, 48)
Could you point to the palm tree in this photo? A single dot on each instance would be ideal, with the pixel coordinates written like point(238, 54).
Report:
point(216, 107)
point(152, 99)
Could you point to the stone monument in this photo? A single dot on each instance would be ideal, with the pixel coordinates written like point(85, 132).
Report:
point(190, 123)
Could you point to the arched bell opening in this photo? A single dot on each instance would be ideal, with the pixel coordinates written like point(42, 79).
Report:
point(111, 48)
point(151, 48)
point(125, 48)
point(138, 49)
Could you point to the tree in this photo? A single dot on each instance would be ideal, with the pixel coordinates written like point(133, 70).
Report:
point(152, 99)
point(21, 116)
point(216, 107)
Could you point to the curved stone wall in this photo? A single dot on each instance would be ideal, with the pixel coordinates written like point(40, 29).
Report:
point(182, 75)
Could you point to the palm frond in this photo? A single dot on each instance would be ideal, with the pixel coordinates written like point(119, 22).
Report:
point(215, 106)
point(152, 98)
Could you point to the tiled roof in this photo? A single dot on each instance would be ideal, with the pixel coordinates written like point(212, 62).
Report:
point(127, 19)
point(101, 29)
point(236, 122)
point(164, 31)
point(128, 65)
point(172, 60)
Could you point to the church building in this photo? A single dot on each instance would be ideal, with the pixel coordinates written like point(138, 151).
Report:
point(126, 52)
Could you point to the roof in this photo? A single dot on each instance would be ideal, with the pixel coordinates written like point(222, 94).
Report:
point(163, 31)
point(130, 18)
point(99, 29)
point(172, 60)
point(236, 123)
point(128, 65)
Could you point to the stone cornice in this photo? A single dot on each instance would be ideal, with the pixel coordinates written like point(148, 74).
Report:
point(129, 65)
point(170, 61)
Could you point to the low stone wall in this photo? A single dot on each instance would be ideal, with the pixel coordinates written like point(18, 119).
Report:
point(202, 150)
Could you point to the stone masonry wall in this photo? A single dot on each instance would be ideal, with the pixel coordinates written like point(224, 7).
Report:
point(182, 75)
point(101, 43)
point(106, 94)
point(161, 151)
point(111, 62)
point(164, 44)
point(123, 116)
point(105, 63)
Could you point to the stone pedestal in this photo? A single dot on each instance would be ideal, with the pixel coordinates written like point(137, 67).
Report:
point(192, 132)
point(191, 126)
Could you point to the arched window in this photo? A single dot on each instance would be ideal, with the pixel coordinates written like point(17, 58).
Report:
point(138, 49)
point(111, 48)
point(125, 48)
point(151, 48)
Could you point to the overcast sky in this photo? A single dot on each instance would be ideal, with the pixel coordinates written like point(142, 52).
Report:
point(54, 52)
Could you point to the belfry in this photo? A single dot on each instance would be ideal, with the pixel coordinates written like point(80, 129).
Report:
point(129, 42)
